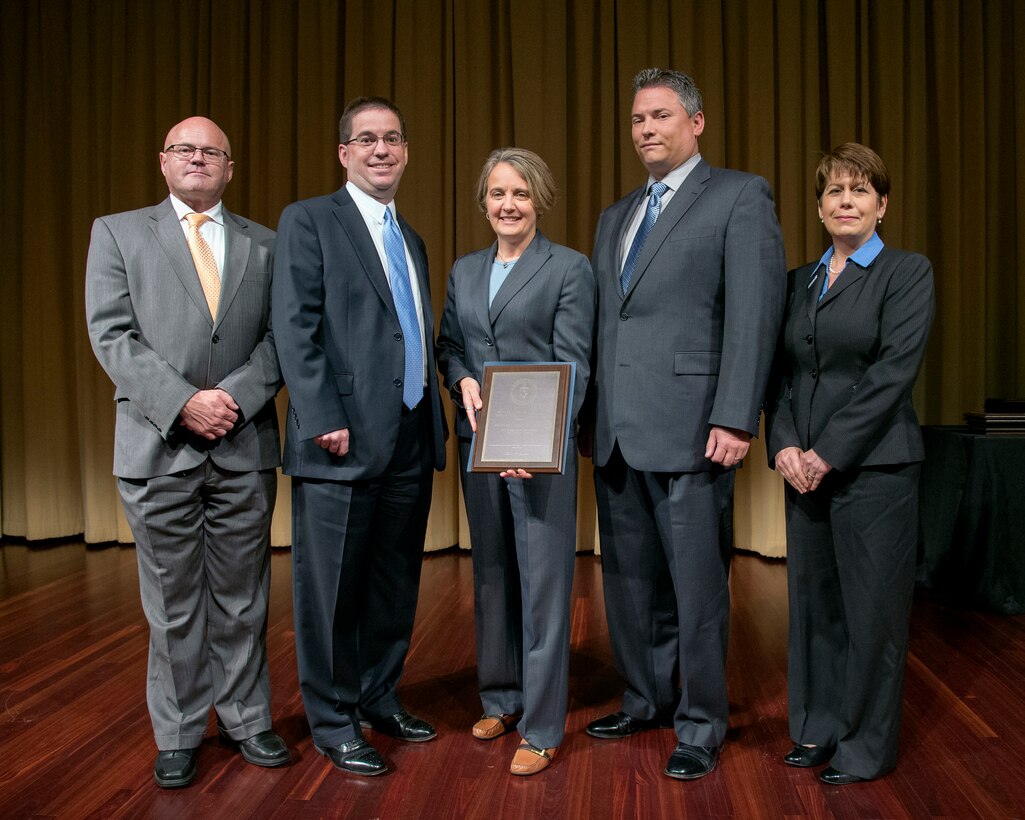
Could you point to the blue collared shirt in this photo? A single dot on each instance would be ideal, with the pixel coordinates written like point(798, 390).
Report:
point(863, 256)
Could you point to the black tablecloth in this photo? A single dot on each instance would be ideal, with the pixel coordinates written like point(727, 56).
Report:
point(973, 518)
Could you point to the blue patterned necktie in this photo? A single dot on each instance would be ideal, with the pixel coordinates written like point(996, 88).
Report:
point(650, 216)
point(405, 306)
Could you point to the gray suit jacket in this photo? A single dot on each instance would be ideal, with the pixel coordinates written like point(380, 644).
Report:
point(543, 312)
point(690, 343)
point(340, 342)
point(151, 331)
point(847, 364)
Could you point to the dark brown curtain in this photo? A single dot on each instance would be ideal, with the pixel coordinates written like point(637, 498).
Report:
point(90, 87)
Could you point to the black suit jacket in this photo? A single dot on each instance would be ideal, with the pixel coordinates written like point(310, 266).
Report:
point(339, 340)
point(846, 365)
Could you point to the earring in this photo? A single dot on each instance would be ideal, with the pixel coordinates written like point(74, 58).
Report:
point(879, 221)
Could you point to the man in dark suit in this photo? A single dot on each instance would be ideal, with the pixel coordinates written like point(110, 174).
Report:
point(691, 281)
point(355, 335)
point(178, 307)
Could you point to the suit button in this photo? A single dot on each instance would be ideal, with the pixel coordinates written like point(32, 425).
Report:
point(398, 337)
point(397, 382)
point(488, 342)
point(808, 338)
point(215, 339)
point(623, 317)
point(814, 374)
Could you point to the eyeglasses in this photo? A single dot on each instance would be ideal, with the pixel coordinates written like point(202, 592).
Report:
point(184, 151)
point(393, 139)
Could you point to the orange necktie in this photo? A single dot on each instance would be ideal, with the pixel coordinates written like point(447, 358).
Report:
point(206, 265)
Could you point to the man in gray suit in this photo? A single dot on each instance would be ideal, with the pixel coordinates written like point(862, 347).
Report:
point(178, 308)
point(354, 331)
point(691, 281)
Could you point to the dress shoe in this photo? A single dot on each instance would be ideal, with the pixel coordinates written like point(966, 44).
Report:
point(175, 768)
point(806, 756)
point(404, 726)
point(356, 757)
point(834, 777)
point(690, 762)
point(262, 749)
point(618, 724)
point(529, 759)
point(491, 726)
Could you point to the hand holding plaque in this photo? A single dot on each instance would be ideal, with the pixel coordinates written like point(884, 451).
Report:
point(524, 423)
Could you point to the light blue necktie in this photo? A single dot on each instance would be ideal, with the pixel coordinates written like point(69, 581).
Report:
point(650, 216)
point(405, 307)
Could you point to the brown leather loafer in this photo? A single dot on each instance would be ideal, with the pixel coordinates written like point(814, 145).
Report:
point(530, 760)
point(491, 726)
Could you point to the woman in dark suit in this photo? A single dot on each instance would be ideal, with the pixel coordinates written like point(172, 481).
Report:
point(522, 299)
point(843, 433)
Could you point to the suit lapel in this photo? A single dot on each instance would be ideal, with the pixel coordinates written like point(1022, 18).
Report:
point(677, 208)
point(537, 253)
point(171, 237)
point(236, 258)
point(852, 273)
point(811, 296)
point(351, 220)
point(615, 252)
point(480, 290)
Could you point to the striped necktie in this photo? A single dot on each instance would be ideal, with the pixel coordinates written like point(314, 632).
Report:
point(650, 217)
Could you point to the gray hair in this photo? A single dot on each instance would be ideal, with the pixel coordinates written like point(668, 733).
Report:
point(678, 81)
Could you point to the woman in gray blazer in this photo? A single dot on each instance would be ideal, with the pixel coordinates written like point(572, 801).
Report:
point(522, 299)
point(843, 433)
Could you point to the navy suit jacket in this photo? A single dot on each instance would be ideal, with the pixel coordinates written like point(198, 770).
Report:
point(847, 365)
point(340, 343)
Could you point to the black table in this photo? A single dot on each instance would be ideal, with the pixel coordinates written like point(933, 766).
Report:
point(973, 518)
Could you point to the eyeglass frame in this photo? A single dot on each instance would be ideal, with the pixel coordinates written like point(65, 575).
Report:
point(398, 136)
point(219, 157)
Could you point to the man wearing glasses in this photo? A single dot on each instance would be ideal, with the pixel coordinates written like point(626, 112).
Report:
point(178, 308)
point(354, 330)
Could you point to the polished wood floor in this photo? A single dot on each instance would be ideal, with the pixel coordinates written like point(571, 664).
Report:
point(75, 737)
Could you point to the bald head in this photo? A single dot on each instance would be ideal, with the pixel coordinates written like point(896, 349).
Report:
point(197, 180)
point(188, 131)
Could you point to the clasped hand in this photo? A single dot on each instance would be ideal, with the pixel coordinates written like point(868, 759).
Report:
point(210, 413)
point(803, 470)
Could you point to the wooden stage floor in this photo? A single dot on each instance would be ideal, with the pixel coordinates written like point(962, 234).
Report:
point(75, 737)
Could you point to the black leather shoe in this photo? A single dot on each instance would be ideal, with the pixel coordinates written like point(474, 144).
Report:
point(402, 725)
point(618, 724)
point(356, 757)
point(262, 749)
point(806, 756)
point(834, 777)
point(175, 768)
point(690, 762)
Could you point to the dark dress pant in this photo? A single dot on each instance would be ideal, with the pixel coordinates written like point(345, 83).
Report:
point(357, 551)
point(665, 571)
point(851, 549)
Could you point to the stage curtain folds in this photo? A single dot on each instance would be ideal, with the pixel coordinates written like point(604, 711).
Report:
point(90, 88)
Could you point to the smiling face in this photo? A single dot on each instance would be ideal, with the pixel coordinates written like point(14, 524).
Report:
point(849, 209)
point(197, 181)
point(664, 134)
point(510, 209)
point(375, 170)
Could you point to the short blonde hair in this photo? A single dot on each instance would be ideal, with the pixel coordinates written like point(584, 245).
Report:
point(533, 169)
